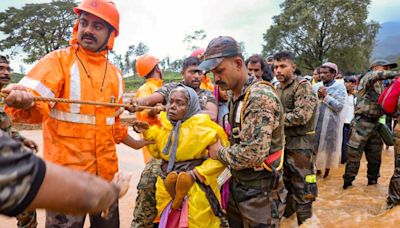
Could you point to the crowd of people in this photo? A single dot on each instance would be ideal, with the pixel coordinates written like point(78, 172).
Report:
point(244, 151)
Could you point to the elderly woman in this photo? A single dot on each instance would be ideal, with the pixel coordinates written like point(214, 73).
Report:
point(189, 177)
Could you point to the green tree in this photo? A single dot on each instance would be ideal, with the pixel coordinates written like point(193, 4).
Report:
point(192, 40)
point(37, 29)
point(117, 60)
point(243, 47)
point(324, 30)
point(127, 59)
point(176, 65)
point(141, 49)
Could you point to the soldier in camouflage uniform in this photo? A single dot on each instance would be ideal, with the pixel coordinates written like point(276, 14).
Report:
point(256, 116)
point(26, 219)
point(145, 208)
point(300, 104)
point(364, 135)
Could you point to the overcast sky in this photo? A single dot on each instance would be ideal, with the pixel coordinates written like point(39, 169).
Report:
point(163, 24)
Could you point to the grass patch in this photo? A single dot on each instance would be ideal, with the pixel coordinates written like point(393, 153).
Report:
point(133, 83)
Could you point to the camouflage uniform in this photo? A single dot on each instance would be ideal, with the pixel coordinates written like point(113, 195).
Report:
point(22, 175)
point(26, 219)
point(54, 219)
point(300, 104)
point(363, 134)
point(145, 207)
point(257, 196)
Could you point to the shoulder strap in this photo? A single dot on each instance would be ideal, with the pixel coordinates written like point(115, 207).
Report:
point(246, 97)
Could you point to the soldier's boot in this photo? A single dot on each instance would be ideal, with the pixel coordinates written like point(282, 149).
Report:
point(290, 207)
point(372, 181)
point(326, 173)
point(170, 182)
point(183, 184)
point(347, 184)
point(304, 212)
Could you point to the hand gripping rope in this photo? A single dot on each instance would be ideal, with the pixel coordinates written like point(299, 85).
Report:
point(62, 100)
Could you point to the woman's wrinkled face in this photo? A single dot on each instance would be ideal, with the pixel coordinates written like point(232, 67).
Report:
point(177, 106)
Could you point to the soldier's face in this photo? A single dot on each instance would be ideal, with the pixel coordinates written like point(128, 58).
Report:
point(379, 68)
point(177, 106)
point(5, 73)
point(192, 77)
point(284, 70)
point(92, 31)
point(227, 75)
point(255, 69)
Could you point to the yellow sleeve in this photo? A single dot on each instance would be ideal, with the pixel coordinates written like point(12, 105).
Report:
point(152, 134)
point(211, 169)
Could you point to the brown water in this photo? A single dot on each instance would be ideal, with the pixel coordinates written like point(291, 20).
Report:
point(359, 205)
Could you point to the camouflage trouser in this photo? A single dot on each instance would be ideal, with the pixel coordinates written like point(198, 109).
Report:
point(145, 208)
point(256, 206)
point(27, 219)
point(298, 165)
point(363, 137)
point(394, 186)
point(55, 220)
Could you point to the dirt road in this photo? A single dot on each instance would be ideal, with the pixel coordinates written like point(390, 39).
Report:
point(335, 207)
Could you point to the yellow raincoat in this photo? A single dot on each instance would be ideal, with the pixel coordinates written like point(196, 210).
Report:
point(147, 89)
point(195, 135)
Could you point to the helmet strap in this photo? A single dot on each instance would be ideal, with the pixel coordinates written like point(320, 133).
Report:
point(104, 44)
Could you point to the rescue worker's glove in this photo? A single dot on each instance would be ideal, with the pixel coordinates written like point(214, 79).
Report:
point(140, 126)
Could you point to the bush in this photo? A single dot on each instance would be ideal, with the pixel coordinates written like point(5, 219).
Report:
point(132, 84)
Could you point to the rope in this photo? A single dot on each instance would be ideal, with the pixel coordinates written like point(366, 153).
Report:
point(62, 100)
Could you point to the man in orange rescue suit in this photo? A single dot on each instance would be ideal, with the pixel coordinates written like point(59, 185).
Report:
point(81, 137)
point(147, 67)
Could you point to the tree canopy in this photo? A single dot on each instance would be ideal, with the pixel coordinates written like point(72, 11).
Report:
point(324, 30)
point(37, 29)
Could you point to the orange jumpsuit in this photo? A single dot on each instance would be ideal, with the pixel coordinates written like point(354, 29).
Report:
point(148, 88)
point(81, 137)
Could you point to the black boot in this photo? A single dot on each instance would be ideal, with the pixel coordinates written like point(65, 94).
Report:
point(347, 184)
point(304, 212)
point(372, 181)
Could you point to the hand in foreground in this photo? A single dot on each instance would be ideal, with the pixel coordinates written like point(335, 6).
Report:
point(121, 180)
point(18, 96)
point(213, 149)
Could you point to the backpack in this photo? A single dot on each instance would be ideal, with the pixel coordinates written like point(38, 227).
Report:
point(389, 97)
